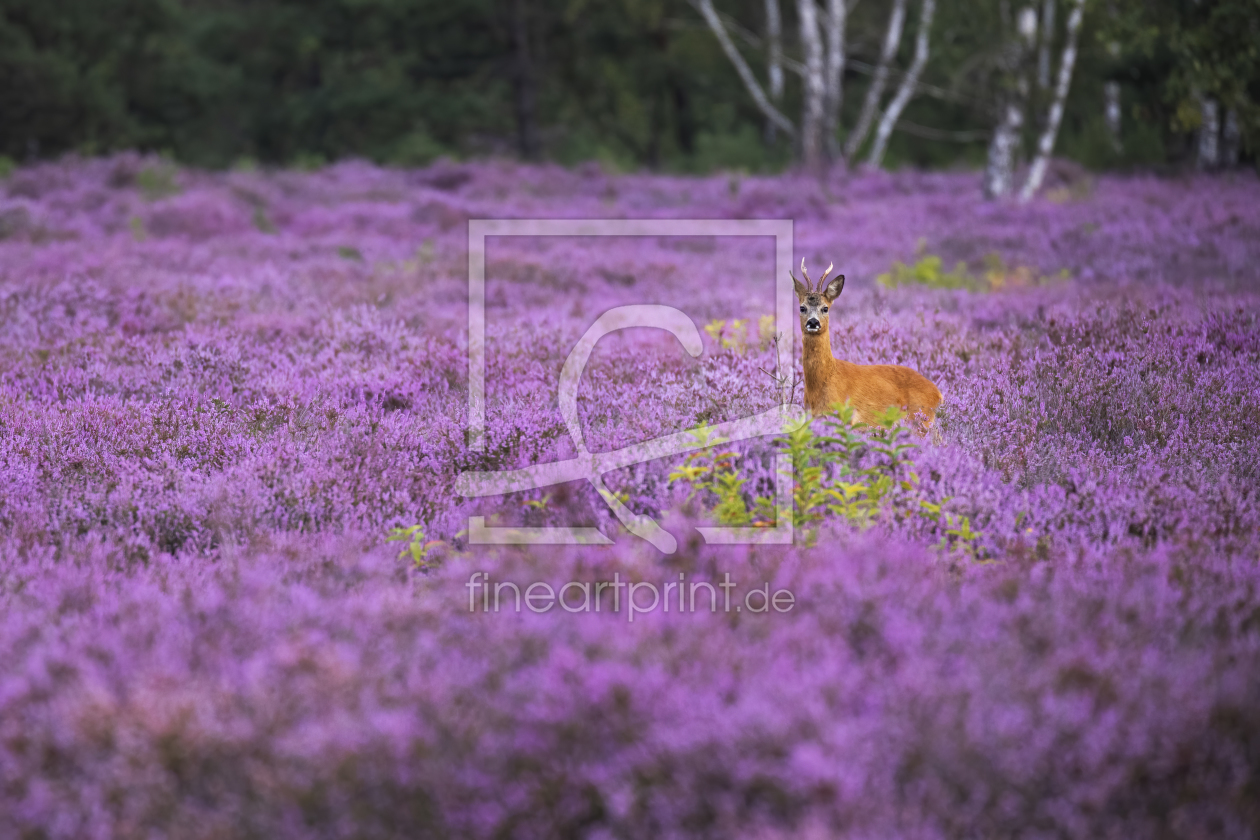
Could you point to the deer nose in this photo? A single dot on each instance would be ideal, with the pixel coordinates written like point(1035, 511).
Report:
point(812, 324)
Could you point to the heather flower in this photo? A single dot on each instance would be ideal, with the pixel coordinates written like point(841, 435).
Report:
point(222, 393)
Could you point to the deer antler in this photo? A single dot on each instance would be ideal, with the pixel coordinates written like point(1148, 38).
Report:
point(809, 284)
point(822, 281)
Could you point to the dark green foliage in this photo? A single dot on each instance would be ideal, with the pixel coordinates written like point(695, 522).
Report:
point(1174, 50)
point(630, 83)
point(98, 75)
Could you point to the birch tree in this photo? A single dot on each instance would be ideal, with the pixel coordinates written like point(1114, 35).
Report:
point(815, 93)
point(908, 83)
point(710, 15)
point(999, 171)
point(892, 39)
point(1046, 44)
point(837, 13)
point(1209, 155)
point(812, 70)
point(821, 72)
point(774, 59)
point(1046, 143)
point(1111, 87)
point(1111, 101)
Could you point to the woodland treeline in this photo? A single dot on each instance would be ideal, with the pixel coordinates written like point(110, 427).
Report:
point(677, 85)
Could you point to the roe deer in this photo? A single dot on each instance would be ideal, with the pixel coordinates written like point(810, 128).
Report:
point(870, 389)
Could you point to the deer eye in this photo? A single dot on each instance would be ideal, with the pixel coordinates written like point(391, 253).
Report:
point(802, 309)
point(824, 309)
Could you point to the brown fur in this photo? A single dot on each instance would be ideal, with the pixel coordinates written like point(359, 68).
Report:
point(870, 389)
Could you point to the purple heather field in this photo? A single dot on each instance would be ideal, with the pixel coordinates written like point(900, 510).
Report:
point(223, 391)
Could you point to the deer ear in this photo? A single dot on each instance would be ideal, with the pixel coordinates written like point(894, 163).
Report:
point(801, 290)
point(833, 289)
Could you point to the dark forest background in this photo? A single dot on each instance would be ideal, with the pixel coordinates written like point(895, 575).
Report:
point(632, 83)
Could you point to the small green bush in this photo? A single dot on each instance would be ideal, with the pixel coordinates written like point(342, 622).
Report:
point(157, 181)
point(928, 270)
point(835, 477)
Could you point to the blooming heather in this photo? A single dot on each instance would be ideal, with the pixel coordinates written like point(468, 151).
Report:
point(217, 399)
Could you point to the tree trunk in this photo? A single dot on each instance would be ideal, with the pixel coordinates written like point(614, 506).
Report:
point(1046, 144)
point(524, 88)
point(999, 171)
point(1111, 91)
point(1111, 103)
point(892, 39)
point(1111, 113)
point(908, 84)
point(812, 108)
point(837, 13)
point(1209, 156)
point(1046, 45)
point(774, 63)
point(710, 15)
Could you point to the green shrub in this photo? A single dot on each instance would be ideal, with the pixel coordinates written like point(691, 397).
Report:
point(928, 270)
point(855, 473)
point(157, 181)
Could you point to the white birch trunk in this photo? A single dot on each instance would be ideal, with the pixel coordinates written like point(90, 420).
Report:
point(812, 107)
point(774, 37)
point(1111, 113)
point(892, 39)
point(1209, 133)
point(999, 171)
point(908, 84)
point(710, 15)
point(774, 60)
point(1111, 98)
point(837, 12)
point(1045, 145)
point(1047, 44)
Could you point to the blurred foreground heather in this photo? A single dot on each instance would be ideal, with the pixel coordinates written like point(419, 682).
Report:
point(221, 392)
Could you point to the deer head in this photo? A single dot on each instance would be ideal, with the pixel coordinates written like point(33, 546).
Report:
point(815, 303)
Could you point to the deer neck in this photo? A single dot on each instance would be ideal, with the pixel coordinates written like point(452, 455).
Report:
point(816, 359)
point(826, 377)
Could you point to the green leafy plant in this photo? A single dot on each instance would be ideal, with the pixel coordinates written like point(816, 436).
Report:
point(716, 483)
point(262, 222)
point(833, 474)
point(995, 274)
point(157, 181)
point(957, 534)
point(738, 335)
point(538, 504)
point(927, 271)
point(860, 494)
point(809, 494)
point(856, 472)
point(417, 548)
